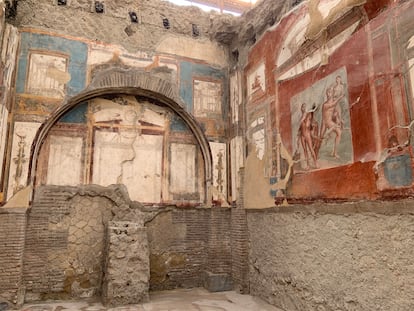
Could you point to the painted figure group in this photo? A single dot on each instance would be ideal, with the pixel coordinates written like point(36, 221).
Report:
point(310, 137)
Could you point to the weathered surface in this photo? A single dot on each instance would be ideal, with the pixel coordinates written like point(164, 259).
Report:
point(334, 257)
point(64, 249)
point(239, 250)
point(65, 242)
point(65, 245)
point(127, 266)
point(185, 243)
point(251, 26)
point(180, 299)
point(12, 239)
point(114, 24)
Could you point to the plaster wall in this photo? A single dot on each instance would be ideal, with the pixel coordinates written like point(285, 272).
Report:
point(52, 66)
point(333, 256)
point(295, 148)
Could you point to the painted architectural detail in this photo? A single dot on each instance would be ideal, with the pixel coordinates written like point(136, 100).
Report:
point(120, 142)
point(318, 57)
point(219, 153)
point(256, 83)
point(65, 156)
point(103, 54)
point(8, 56)
point(183, 178)
point(236, 96)
point(207, 98)
point(321, 129)
point(257, 136)
point(310, 23)
point(126, 140)
point(134, 160)
point(24, 133)
point(237, 162)
point(47, 75)
point(19, 160)
point(3, 132)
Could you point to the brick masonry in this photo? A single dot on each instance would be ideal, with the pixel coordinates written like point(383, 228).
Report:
point(12, 237)
point(64, 252)
point(239, 250)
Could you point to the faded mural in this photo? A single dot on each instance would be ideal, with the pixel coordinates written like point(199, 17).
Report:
point(126, 140)
point(109, 140)
point(219, 154)
point(237, 155)
point(47, 75)
point(236, 96)
point(321, 124)
point(207, 98)
point(23, 136)
point(256, 83)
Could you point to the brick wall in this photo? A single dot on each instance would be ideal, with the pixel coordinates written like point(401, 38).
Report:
point(186, 243)
point(239, 250)
point(178, 246)
point(219, 243)
point(12, 237)
point(65, 242)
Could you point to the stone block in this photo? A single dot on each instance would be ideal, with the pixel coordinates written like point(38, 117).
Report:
point(217, 282)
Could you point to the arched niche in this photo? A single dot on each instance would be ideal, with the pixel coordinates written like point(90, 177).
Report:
point(132, 82)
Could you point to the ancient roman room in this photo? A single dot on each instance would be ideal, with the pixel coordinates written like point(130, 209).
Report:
point(254, 155)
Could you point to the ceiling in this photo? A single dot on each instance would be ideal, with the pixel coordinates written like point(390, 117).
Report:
point(236, 6)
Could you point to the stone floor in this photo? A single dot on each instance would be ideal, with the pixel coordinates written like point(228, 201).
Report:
point(197, 299)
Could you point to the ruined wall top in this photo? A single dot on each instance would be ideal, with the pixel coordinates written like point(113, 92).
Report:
point(156, 20)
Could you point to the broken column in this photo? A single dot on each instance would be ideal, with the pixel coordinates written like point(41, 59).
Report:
point(127, 267)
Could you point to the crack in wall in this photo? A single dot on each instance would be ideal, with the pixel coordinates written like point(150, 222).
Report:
point(136, 132)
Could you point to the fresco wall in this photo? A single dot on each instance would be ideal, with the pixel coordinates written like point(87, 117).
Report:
point(329, 104)
point(9, 42)
point(124, 140)
point(150, 147)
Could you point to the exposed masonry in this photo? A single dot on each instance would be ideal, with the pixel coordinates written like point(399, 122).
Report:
point(12, 237)
point(349, 256)
point(115, 26)
point(127, 265)
point(72, 231)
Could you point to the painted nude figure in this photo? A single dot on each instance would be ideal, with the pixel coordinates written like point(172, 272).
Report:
point(331, 121)
point(338, 91)
point(307, 133)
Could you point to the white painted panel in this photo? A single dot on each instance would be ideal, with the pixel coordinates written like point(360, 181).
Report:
point(411, 65)
point(207, 98)
point(130, 159)
point(183, 168)
point(64, 166)
point(47, 75)
point(24, 133)
point(237, 161)
point(219, 154)
point(236, 96)
point(3, 131)
point(256, 82)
